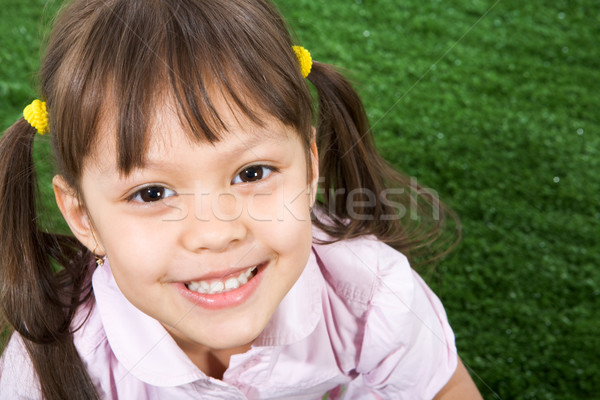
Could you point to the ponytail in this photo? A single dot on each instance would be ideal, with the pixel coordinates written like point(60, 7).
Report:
point(362, 194)
point(37, 299)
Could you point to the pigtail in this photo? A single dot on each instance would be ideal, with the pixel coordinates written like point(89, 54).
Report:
point(360, 193)
point(38, 299)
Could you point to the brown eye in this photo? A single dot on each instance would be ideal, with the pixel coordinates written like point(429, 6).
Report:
point(252, 174)
point(151, 194)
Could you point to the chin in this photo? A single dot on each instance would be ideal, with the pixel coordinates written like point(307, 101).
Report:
point(225, 335)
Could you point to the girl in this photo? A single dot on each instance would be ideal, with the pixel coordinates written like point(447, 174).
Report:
point(203, 265)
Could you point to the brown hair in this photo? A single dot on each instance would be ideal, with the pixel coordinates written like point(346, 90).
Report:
point(190, 49)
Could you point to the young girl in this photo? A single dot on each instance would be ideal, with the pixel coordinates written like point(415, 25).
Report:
point(206, 262)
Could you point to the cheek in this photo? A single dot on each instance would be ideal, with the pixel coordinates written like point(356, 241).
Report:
point(138, 272)
point(135, 251)
point(284, 201)
point(287, 231)
point(289, 220)
point(133, 233)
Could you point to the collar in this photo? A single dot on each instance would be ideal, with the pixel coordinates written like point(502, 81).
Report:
point(149, 353)
point(300, 310)
point(139, 342)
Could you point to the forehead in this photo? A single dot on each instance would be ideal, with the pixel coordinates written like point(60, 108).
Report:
point(168, 132)
point(186, 48)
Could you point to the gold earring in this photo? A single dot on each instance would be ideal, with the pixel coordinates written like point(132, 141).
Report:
point(99, 260)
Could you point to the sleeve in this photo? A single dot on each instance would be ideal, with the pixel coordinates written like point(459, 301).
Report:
point(408, 349)
point(18, 379)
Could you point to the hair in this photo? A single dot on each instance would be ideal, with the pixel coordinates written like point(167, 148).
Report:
point(123, 56)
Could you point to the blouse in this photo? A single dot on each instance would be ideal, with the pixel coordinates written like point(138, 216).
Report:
point(358, 324)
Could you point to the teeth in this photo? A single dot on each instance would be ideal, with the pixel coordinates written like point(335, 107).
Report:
point(204, 286)
point(216, 287)
point(232, 283)
point(219, 286)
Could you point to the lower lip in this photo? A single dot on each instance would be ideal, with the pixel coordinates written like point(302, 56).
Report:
point(229, 299)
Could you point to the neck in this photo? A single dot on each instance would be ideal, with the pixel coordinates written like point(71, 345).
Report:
point(212, 362)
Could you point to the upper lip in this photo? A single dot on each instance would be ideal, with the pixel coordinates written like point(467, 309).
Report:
point(220, 274)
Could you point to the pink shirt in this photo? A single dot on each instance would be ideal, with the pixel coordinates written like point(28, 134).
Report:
point(359, 323)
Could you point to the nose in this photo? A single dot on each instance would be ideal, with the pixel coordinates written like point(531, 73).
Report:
point(216, 224)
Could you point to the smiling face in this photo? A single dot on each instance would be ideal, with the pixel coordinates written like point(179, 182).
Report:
point(205, 238)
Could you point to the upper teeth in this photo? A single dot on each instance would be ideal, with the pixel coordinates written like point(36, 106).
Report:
point(219, 285)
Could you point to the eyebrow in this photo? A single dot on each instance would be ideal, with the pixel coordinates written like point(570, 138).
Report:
point(243, 145)
point(247, 144)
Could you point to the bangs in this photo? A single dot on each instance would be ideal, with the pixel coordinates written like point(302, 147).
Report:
point(196, 52)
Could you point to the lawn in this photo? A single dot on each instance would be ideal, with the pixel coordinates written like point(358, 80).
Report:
point(494, 104)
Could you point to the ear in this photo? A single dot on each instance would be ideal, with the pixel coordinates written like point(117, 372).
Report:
point(74, 213)
point(314, 159)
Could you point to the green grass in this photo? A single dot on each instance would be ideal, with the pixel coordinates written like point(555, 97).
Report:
point(495, 106)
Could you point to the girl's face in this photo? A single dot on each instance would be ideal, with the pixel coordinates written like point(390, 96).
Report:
point(205, 238)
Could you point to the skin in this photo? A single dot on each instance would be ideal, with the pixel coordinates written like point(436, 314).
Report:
point(208, 222)
point(460, 386)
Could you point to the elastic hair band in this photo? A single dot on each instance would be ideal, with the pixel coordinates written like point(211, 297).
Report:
point(304, 59)
point(37, 116)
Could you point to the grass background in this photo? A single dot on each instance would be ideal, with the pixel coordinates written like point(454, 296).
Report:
point(494, 104)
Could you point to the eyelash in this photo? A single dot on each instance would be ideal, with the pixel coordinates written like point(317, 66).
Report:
point(137, 196)
point(265, 171)
point(263, 168)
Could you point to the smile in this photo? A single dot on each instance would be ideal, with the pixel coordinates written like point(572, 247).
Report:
point(223, 285)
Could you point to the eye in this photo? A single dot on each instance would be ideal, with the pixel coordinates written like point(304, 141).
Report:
point(151, 194)
point(252, 173)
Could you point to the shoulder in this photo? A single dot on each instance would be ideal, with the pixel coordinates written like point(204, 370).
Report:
point(404, 346)
point(95, 350)
point(358, 269)
point(18, 379)
point(89, 335)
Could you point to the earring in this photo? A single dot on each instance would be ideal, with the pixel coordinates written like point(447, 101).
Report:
point(99, 260)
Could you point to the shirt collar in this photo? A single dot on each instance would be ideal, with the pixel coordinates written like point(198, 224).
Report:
point(299, 312)
point(150, 354)
point(140, 343)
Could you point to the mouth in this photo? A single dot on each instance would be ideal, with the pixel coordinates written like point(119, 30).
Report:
point(225, 284)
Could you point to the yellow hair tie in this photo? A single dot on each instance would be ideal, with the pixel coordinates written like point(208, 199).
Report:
point(304, 60)
point(37, 116)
